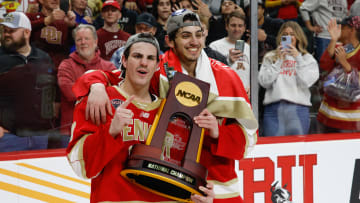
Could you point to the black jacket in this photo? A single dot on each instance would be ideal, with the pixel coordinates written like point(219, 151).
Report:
point(27, 91)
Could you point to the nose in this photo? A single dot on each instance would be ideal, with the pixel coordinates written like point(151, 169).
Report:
point(143, 62)
point(195, 40)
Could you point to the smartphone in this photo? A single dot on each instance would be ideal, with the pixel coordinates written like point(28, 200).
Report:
point(239, 45)
point(286, 41)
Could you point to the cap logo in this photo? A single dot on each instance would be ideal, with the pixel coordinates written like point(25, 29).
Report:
point(9, 18)
point(178, 12)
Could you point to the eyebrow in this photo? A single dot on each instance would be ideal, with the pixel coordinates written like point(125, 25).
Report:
point(138, 53)
point(188, 32)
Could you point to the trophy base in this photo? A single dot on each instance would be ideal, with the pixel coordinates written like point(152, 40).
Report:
point(161, 177)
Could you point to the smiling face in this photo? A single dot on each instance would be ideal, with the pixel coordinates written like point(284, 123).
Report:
point(188, 44)
point(110, 14)
point(164, 9)
point(85, 43)
point(140, 64)
point(235, 28)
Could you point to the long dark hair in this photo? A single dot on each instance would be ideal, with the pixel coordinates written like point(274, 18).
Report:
point(155, 10)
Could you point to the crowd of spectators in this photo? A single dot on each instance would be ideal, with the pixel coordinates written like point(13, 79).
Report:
point(90, 34)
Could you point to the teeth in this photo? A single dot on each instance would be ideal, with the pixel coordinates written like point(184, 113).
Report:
point(193, 49)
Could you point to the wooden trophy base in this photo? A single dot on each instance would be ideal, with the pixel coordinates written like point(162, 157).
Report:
point(166, 179)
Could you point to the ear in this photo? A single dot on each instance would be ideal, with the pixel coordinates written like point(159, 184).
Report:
point(27, 33)
point(124, 61)
point(171, 44)
point(120, 15)
point(153, 30)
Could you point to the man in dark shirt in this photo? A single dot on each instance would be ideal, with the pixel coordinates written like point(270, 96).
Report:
point(27, 88)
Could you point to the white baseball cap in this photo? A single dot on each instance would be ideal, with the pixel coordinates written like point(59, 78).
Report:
point(16, 20)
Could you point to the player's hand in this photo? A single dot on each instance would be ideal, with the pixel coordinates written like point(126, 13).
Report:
point(123, 117)
point(98, 104)
point(206, 120)
point(209, 192)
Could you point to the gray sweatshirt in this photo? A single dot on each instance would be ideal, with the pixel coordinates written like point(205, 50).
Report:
point(288, 79)
point(322, 11)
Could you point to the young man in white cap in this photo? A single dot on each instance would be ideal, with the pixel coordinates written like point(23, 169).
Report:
point(229, 119)
point(111, 37)
point(104, 149)
point(26, 107)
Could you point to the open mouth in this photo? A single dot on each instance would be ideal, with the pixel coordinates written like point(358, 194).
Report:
point(142, 72)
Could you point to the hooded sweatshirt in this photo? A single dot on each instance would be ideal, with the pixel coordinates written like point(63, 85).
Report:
point(69, 71)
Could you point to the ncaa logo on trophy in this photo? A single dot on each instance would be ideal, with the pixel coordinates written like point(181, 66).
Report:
point(150, 165)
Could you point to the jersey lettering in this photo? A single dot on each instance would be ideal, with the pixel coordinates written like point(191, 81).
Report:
point(51, 35)
point(113, 44)
point(141, 130)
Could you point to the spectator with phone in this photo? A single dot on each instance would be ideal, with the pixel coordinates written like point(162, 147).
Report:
point(208, 50)
point(287, 73)
point(238, 56)
point(217, 23)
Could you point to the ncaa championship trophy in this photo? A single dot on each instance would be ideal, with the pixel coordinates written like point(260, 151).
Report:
point(146, 166)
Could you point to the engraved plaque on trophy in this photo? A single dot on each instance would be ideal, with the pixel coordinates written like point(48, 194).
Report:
point(146, 166)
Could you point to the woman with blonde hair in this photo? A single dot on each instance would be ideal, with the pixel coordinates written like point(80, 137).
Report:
point(287, 73)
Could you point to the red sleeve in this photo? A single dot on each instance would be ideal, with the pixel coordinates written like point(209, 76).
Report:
point(231, 142)
point(66, 80)
point(327, 62)
point(93, 143)
point(83, 83)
